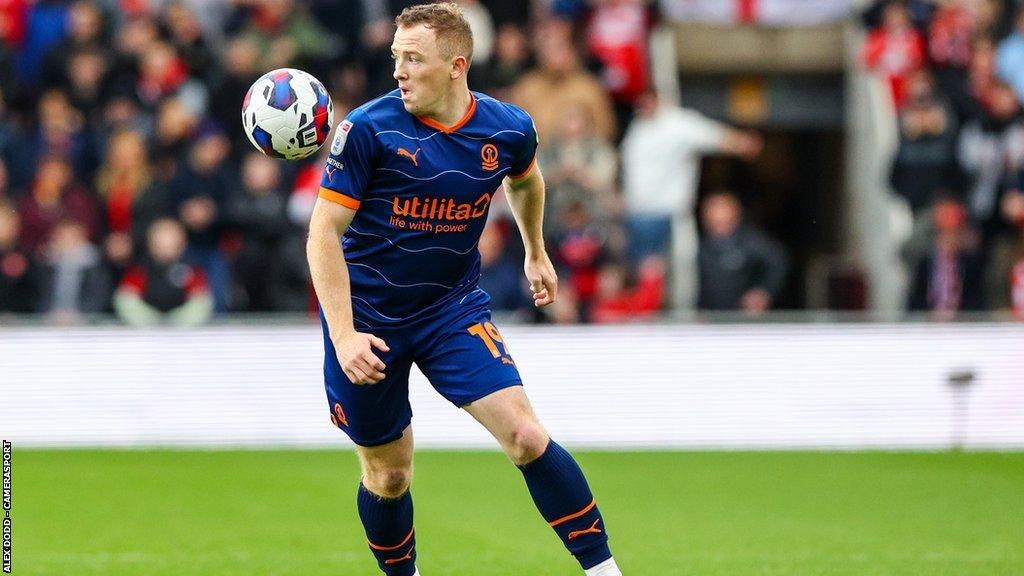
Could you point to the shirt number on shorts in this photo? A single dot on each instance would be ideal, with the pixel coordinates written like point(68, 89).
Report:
point(489, 334)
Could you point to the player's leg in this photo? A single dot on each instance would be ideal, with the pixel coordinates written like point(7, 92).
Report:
point(555, 480)
point(466, 359)
point(377, 419)
point(385, 504)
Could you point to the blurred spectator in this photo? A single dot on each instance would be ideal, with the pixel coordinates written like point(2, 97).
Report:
point(214, 17)
point(1010, 57)
point(920, 12)
point(175, 126)
point(1004, 250)
point(85, 32)
point(561, 82)
point(18, 292)
point(501, 276)
point(134, 36)
point(344, 21)
point(45, 28)
point(120, 182)
point(895, 49)
point(579, 168)
point(60, 131)
point(950, 36)
point(13, 23)
point(482, 27)
point(241, 69)
point(1014, 211)
point(661, 170)
point(85, 78)
point(740, 268)
point(1017, 289)
point(187, 37)
point(511, 59)
point(199, 195)
point(991, 150)
point(621, 299)
point(948, 277)
point(164, 289)
point(54, 197)
point(164, 73)
point(73, 280)
point(618, 33)
point(120, 112)
point(259, 211)
point(580, 251)
point(981, 74)
point(504, 12)
point(290, 284)
point(375, 47)
point(925, 161)
point(287, 36)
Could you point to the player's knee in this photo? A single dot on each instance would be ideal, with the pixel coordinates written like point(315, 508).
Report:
point(527, 443)
point(388, 482)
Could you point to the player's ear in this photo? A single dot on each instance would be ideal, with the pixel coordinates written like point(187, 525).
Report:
point(460, 64)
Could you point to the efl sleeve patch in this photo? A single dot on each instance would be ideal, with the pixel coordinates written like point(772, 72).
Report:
point(353, 157)
point(340, 136)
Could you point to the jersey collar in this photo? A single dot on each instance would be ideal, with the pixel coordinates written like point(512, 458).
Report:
point(462, 122)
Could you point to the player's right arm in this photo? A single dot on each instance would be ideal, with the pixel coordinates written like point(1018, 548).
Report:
point(354, 153)
point(330, 279)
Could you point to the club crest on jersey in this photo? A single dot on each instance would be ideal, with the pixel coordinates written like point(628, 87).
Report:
point(489, 156)
point(340, 135)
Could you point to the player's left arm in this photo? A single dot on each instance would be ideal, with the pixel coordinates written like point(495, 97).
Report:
point(526, 197)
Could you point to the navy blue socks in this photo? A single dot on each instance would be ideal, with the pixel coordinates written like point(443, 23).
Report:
point(388, 525)
point(564, 499)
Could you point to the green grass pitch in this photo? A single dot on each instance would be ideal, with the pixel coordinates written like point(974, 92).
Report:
point(246, 513)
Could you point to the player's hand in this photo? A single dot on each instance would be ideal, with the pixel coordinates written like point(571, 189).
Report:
point(543, 280)
point(355, 354)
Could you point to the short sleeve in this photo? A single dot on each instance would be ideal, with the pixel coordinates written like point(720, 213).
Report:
point(527, 156)
point(351, 162)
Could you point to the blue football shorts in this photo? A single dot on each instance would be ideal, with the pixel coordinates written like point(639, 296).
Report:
point(458, 349)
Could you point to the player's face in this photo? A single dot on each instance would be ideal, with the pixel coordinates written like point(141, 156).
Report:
point(423, 75)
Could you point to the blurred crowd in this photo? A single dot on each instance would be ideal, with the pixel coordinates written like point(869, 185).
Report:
point(127, 184)
point(955, 70)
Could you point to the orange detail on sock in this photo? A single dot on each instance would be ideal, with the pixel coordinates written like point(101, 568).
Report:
point(564, 519)
point(592, 530)
point(408, 556)
point(390, 548)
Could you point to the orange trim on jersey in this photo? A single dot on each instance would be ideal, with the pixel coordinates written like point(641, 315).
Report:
point(390, 548)
point(449, 129)
point(339, 198)
point(528, 169)
point(565, 519)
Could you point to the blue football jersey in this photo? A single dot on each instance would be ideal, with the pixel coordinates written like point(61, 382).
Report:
point(421, 192)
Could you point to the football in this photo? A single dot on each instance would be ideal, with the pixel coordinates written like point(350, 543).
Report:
point(287, 114)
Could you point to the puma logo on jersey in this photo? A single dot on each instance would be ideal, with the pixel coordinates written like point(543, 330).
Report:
point(410, 155)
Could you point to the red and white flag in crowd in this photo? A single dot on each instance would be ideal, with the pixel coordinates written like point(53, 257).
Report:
point(758, 12)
